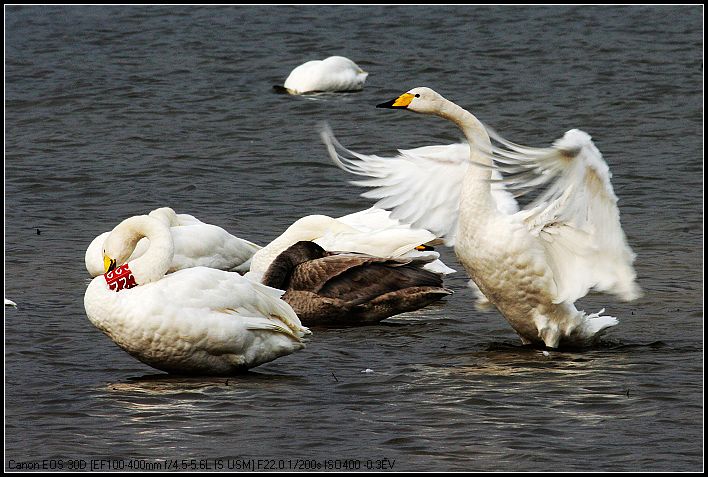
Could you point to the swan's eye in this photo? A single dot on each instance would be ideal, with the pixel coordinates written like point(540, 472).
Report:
point(417, 95)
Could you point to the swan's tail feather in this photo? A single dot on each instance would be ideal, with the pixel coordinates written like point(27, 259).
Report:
point(580, 331)
point(274, 323)
point(595, 323)
point(590, 328)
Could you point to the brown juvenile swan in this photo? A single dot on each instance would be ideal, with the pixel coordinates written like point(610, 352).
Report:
point(326, 288)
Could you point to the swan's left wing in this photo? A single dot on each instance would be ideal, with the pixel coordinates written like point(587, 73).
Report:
point(421, 190)
point(421, 187)
point(575, 213)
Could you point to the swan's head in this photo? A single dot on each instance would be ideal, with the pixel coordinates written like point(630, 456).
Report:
point(121, 242)
point(117, 248)
point(421, 100)
point(280, 270)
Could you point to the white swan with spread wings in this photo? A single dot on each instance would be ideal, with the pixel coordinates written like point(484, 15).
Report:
point(532, 264)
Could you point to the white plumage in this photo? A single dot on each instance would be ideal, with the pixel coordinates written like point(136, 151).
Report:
point(195, 320)
point(335, 73)
point(370, 231)
point(196, 244)
point(531, 264)
point(436, 173)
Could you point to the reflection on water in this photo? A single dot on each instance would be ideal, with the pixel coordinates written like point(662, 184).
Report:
point(166, 384)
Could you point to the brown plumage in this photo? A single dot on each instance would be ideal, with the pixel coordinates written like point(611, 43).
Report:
point(327, 288)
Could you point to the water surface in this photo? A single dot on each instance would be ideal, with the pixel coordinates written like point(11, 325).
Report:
point(113, 111)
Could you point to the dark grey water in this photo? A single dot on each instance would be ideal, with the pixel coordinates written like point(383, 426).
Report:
point(113, 111)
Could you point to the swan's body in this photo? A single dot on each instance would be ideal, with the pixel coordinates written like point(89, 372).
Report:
point(350, 289)
point(10, 303)
point(196, 244)
point(531, 264)
point(333, 74)
point(380, 237)
point(195, 320)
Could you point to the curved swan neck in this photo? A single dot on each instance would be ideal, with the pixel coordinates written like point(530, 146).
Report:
point(279, 272)
point(154, 263)
point(476, 198)
point(474, 131)
point(166, 215)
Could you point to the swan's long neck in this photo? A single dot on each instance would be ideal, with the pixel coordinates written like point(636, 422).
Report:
point(153, 264)
point(165, 215)
point(476, 197)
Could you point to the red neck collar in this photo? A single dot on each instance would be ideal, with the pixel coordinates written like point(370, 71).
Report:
point(120, 279)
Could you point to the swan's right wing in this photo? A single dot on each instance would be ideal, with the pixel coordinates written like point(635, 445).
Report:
point(420, 189)
point(575, 214)
point(389, 243)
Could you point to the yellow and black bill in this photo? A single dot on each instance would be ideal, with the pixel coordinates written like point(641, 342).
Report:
point(401, 102)
point(109, 264)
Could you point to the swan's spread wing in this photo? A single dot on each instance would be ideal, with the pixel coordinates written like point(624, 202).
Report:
point(419, 189)
point(420, 186)
point(575, 213)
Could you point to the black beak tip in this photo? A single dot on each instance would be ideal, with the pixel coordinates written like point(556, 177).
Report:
point(387, 104)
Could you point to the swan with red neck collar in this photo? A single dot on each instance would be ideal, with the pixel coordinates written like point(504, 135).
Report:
point(193, 321)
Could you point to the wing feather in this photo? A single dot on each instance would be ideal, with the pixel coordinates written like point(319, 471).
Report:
point(575, 213)
point(420, 186)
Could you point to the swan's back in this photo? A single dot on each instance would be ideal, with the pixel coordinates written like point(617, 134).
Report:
point(197, 320)
point(335, 73)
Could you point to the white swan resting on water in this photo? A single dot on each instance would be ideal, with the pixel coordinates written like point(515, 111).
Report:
point(334, 74)
point(370, 231)
point(196, 320)
point(196, 244)
point(532, 264)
